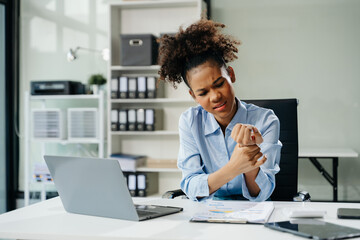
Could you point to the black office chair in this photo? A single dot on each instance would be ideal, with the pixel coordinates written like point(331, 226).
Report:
point(287, 178)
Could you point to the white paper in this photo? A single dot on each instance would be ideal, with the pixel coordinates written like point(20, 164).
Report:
point(235, 211)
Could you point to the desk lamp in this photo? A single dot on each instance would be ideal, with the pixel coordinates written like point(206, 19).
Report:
point(72, 53)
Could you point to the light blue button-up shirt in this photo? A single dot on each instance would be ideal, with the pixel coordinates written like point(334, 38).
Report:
point(204, 149)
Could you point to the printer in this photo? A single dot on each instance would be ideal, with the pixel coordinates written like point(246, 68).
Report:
point(56, 88)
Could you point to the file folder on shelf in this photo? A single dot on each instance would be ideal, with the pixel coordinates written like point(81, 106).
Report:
point(123, 120)
point(115, 87)
point(123, 87)
point(132, 87)
point(141, 87)
point(140, 119)
point(151, 87)
point(131, 119)
point(114, 120)
point(153, 119)
point(132, 184)
point(147, 184)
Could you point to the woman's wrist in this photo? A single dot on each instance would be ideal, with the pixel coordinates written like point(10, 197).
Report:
point(251, 175)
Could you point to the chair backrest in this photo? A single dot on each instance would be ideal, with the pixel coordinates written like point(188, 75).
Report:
point(287, 178)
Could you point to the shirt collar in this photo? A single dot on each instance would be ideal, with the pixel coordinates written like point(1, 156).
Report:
point(240, 115)
point(211, 125)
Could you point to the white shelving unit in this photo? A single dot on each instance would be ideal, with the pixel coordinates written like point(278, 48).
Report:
point(43, 101)
point(155, 17)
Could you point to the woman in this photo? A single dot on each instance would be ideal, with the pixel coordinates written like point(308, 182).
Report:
point(228, 149)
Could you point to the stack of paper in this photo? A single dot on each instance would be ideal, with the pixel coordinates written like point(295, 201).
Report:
point(234, 212)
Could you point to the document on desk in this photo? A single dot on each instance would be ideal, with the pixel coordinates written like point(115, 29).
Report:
point(234, 212)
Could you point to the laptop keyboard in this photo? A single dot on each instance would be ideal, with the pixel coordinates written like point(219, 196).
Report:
point(143, 213)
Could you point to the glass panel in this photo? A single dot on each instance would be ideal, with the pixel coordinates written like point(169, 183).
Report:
point(2, 112)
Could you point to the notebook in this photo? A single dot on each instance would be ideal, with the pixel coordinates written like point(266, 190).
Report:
point(97, 187)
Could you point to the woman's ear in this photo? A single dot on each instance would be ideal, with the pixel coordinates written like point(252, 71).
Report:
point(192, 94)
point(231, 73)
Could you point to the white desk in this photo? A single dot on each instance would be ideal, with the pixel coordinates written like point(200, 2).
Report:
point(48, 220)
point(313, 154)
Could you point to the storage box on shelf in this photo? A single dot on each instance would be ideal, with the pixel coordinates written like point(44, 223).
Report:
point(50, 119)
point(136, 21)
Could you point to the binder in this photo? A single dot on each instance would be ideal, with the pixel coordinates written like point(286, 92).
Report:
point(132, 87)
point(123, 120)
point(147, 184)
point(153, 119)
point(140, 119)
point(123, 87)
point(114, 120)
point(150, 119)
point(131, 119)
point(141, 87)
point(151, 87)
point(115, 87)
point(132, 184)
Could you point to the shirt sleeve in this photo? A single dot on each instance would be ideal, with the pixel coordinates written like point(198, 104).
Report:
point(194, 180)
point(271, 147)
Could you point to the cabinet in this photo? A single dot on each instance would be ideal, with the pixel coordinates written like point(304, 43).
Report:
point(35, 146)
point(161, 146)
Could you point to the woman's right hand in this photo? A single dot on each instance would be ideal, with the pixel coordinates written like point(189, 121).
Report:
point(246, 134)
point(246, 158)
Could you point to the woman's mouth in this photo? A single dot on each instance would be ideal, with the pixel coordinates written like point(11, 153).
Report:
point(220, 107)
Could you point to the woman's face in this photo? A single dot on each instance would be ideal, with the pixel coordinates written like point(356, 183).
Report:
point(211, 87)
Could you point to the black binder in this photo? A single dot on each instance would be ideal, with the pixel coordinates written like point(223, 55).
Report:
point(131, 119)
point(132, 87)
point(123, 120)
point(141, 87)
point(147, 183)
point(115, 87)
point(149, 119)
point(151, 87)
point(132, 184)
point(114, 120)
point(123, 87)
point(140, 119)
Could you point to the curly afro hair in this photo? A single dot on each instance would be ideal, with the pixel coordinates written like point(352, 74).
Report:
point(189, 48)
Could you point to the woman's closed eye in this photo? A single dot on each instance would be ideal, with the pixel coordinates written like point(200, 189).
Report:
point(220, 84)
point(203, 93)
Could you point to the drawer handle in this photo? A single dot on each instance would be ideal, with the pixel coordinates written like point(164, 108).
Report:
point(135, 42)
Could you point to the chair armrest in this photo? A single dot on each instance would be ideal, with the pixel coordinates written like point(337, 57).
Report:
point(302, 196)
point(173, 194)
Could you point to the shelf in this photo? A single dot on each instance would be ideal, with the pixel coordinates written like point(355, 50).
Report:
point(64, 97)
point(80, 141)
point(159, 165)
point(152, 4)
point(136, 68)
point(149, 169)
point(146, 133)
point(153, 100)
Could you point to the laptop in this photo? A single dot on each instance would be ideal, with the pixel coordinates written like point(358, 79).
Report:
point(97, 187)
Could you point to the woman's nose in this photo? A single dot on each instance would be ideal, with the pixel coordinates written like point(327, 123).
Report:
point(215, 96)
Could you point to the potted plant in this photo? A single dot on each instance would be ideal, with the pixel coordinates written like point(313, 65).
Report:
point(95, 81)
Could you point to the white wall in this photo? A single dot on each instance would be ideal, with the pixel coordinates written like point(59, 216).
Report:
point(48, 29)
point(291, 48)
point(308, 50)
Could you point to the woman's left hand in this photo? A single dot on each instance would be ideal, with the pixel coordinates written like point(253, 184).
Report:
point(246, 134)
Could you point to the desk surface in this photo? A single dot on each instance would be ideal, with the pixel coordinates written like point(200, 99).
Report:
point(327, 152)
point(48, 220)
